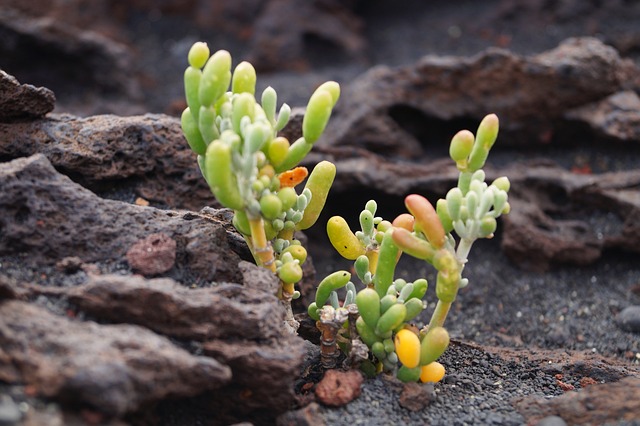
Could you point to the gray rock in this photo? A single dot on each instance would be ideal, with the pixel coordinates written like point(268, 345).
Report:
point(284, 29)
point(263, 373)
point(226, 311)
point(19, 101)
point(100, 66)
point(629, 319)
point(540, 231)
point(390, 111)
point(115, 369)
point(148, 152)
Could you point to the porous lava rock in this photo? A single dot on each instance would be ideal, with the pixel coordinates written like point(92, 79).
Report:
point(392, 111)
point(114, 369)
point(23, 101)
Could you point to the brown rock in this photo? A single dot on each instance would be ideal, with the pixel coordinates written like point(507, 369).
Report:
point(20, 101)
point(541, 231)
point(338, 388)
point(49, 217)
point(417, 397)
point(153, 255)
point(288, 32)
point(616, 117)
point(8, 288)
point(264, 373)
point(306, 416)
point(114, 369)
point(391, 111)
point(73, 58)
point(149, 152)
point(225, 311)
point(595, 405)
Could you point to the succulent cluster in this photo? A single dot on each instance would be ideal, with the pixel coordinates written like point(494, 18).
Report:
point(386, 305)
point(254, 172)
point(251, 169)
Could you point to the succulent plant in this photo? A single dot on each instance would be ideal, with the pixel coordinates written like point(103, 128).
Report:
point(249, 168)
point(386, 305)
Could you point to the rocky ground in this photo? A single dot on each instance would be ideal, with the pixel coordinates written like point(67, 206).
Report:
point(126, 297)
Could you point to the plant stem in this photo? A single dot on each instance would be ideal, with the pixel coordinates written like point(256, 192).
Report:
point(289, 319)
point(261, 247)
point(439, 314)
point(328, 347)
point(442, 308)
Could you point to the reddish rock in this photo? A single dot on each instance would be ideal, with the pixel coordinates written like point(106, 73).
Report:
point(153, 255)
point(338, 388)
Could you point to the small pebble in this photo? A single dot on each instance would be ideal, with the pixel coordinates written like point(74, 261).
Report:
point(417, 397)
point(629, 319)
point(338, 388)
point(153, 255)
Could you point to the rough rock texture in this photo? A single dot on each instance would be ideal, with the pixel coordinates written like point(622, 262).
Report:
point(47, 217)
point(288, 33)
point(388, 110)
point(616, 117)
point(50, 222)
point(263, 374)
point(114, 369)
point(227, 311)
point(416, 396)
point(561, 217)
point(63, 58)
point(562, 99)
point(595, 405)
point(147, 154)
point(23, 100)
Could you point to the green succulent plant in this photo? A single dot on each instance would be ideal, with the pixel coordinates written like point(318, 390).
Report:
point(387, 305)
point(249, 168)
